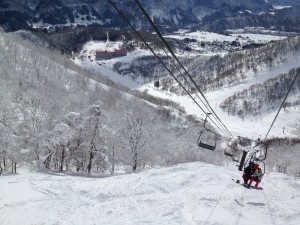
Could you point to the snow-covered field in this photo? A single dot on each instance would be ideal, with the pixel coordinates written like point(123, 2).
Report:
point(189, 194)
point(211, 37)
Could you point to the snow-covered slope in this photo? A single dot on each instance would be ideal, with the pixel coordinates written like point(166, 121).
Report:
point(252, 126)
point(194, 193)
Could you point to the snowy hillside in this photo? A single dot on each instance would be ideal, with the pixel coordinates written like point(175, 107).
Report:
point(256, 125)
point(188, 194)
point(217, 15)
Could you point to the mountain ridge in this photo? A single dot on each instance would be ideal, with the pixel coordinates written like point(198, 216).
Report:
point(21, 14)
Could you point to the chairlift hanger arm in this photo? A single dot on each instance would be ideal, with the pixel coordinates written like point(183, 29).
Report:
point(207, 116)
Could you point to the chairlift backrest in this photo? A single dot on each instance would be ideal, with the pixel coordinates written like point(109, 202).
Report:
point(255, 150)
point(261, 152)
point(236, 158)
point(231, 148)
point(244, 141)
point(207, 138)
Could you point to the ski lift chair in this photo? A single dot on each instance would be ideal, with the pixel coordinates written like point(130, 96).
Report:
point(245, 142)
point(236, 157)
point(257, 155)
point(231, 150)
point(260, 155)
point(261, 151)
point(207, 138)
point(245, 145)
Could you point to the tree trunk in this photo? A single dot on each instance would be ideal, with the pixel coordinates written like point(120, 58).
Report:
point(89, 167)
point(67, 165)
point(82, 166)
point(113, 162)
point(1, 169)
point(93, 144)
point(77, 165)
point(36, 151)
point(135, 161)
point(61, 168)
point(47, 162)
point(13, 167)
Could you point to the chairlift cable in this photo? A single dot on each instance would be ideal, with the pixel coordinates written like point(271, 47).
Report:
point(209, 109)
point(125, 18)
point(176, 66)
point(290, 88)
point(175, 57)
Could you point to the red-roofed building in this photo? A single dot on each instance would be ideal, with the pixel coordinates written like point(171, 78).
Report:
point(104, 55)
point(110, 54)
point(121, 52)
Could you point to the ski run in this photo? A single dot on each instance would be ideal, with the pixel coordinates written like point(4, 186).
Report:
point(193, 193)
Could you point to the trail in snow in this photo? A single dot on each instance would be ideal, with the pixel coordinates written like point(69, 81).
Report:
point(194, 193)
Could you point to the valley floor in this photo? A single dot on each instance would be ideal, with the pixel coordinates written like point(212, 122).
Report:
point(194, 193)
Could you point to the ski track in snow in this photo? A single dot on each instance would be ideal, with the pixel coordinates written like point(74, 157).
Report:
point(193, 194)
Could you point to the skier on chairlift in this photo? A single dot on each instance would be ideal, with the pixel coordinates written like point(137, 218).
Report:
point(248, 172)
point(257, 176)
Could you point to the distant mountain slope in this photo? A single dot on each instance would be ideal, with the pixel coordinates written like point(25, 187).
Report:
point(268, 70)
point(264, 97)
point(215, 15)
point(284, 2)
point(238, 66)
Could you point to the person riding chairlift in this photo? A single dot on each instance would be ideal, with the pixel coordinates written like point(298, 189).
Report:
point(249, 171)
point(257, 176)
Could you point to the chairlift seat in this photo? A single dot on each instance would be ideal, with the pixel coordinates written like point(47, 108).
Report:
point(207, 138)
point(231, 150)
point(210, 147)
point(236, 159)
point(230, 154)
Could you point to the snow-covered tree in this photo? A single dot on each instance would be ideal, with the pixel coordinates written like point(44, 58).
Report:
point(134, 133)
point(296, 128)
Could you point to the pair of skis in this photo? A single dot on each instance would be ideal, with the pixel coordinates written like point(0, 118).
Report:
point(248, 186)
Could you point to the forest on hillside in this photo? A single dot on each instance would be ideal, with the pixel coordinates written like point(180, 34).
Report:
point(57, 116)
point(265, 97)
point(212, 72)
point(54, 115)
point(237, 66)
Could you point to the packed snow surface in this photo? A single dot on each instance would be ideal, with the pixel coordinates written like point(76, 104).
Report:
point(194, 193)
